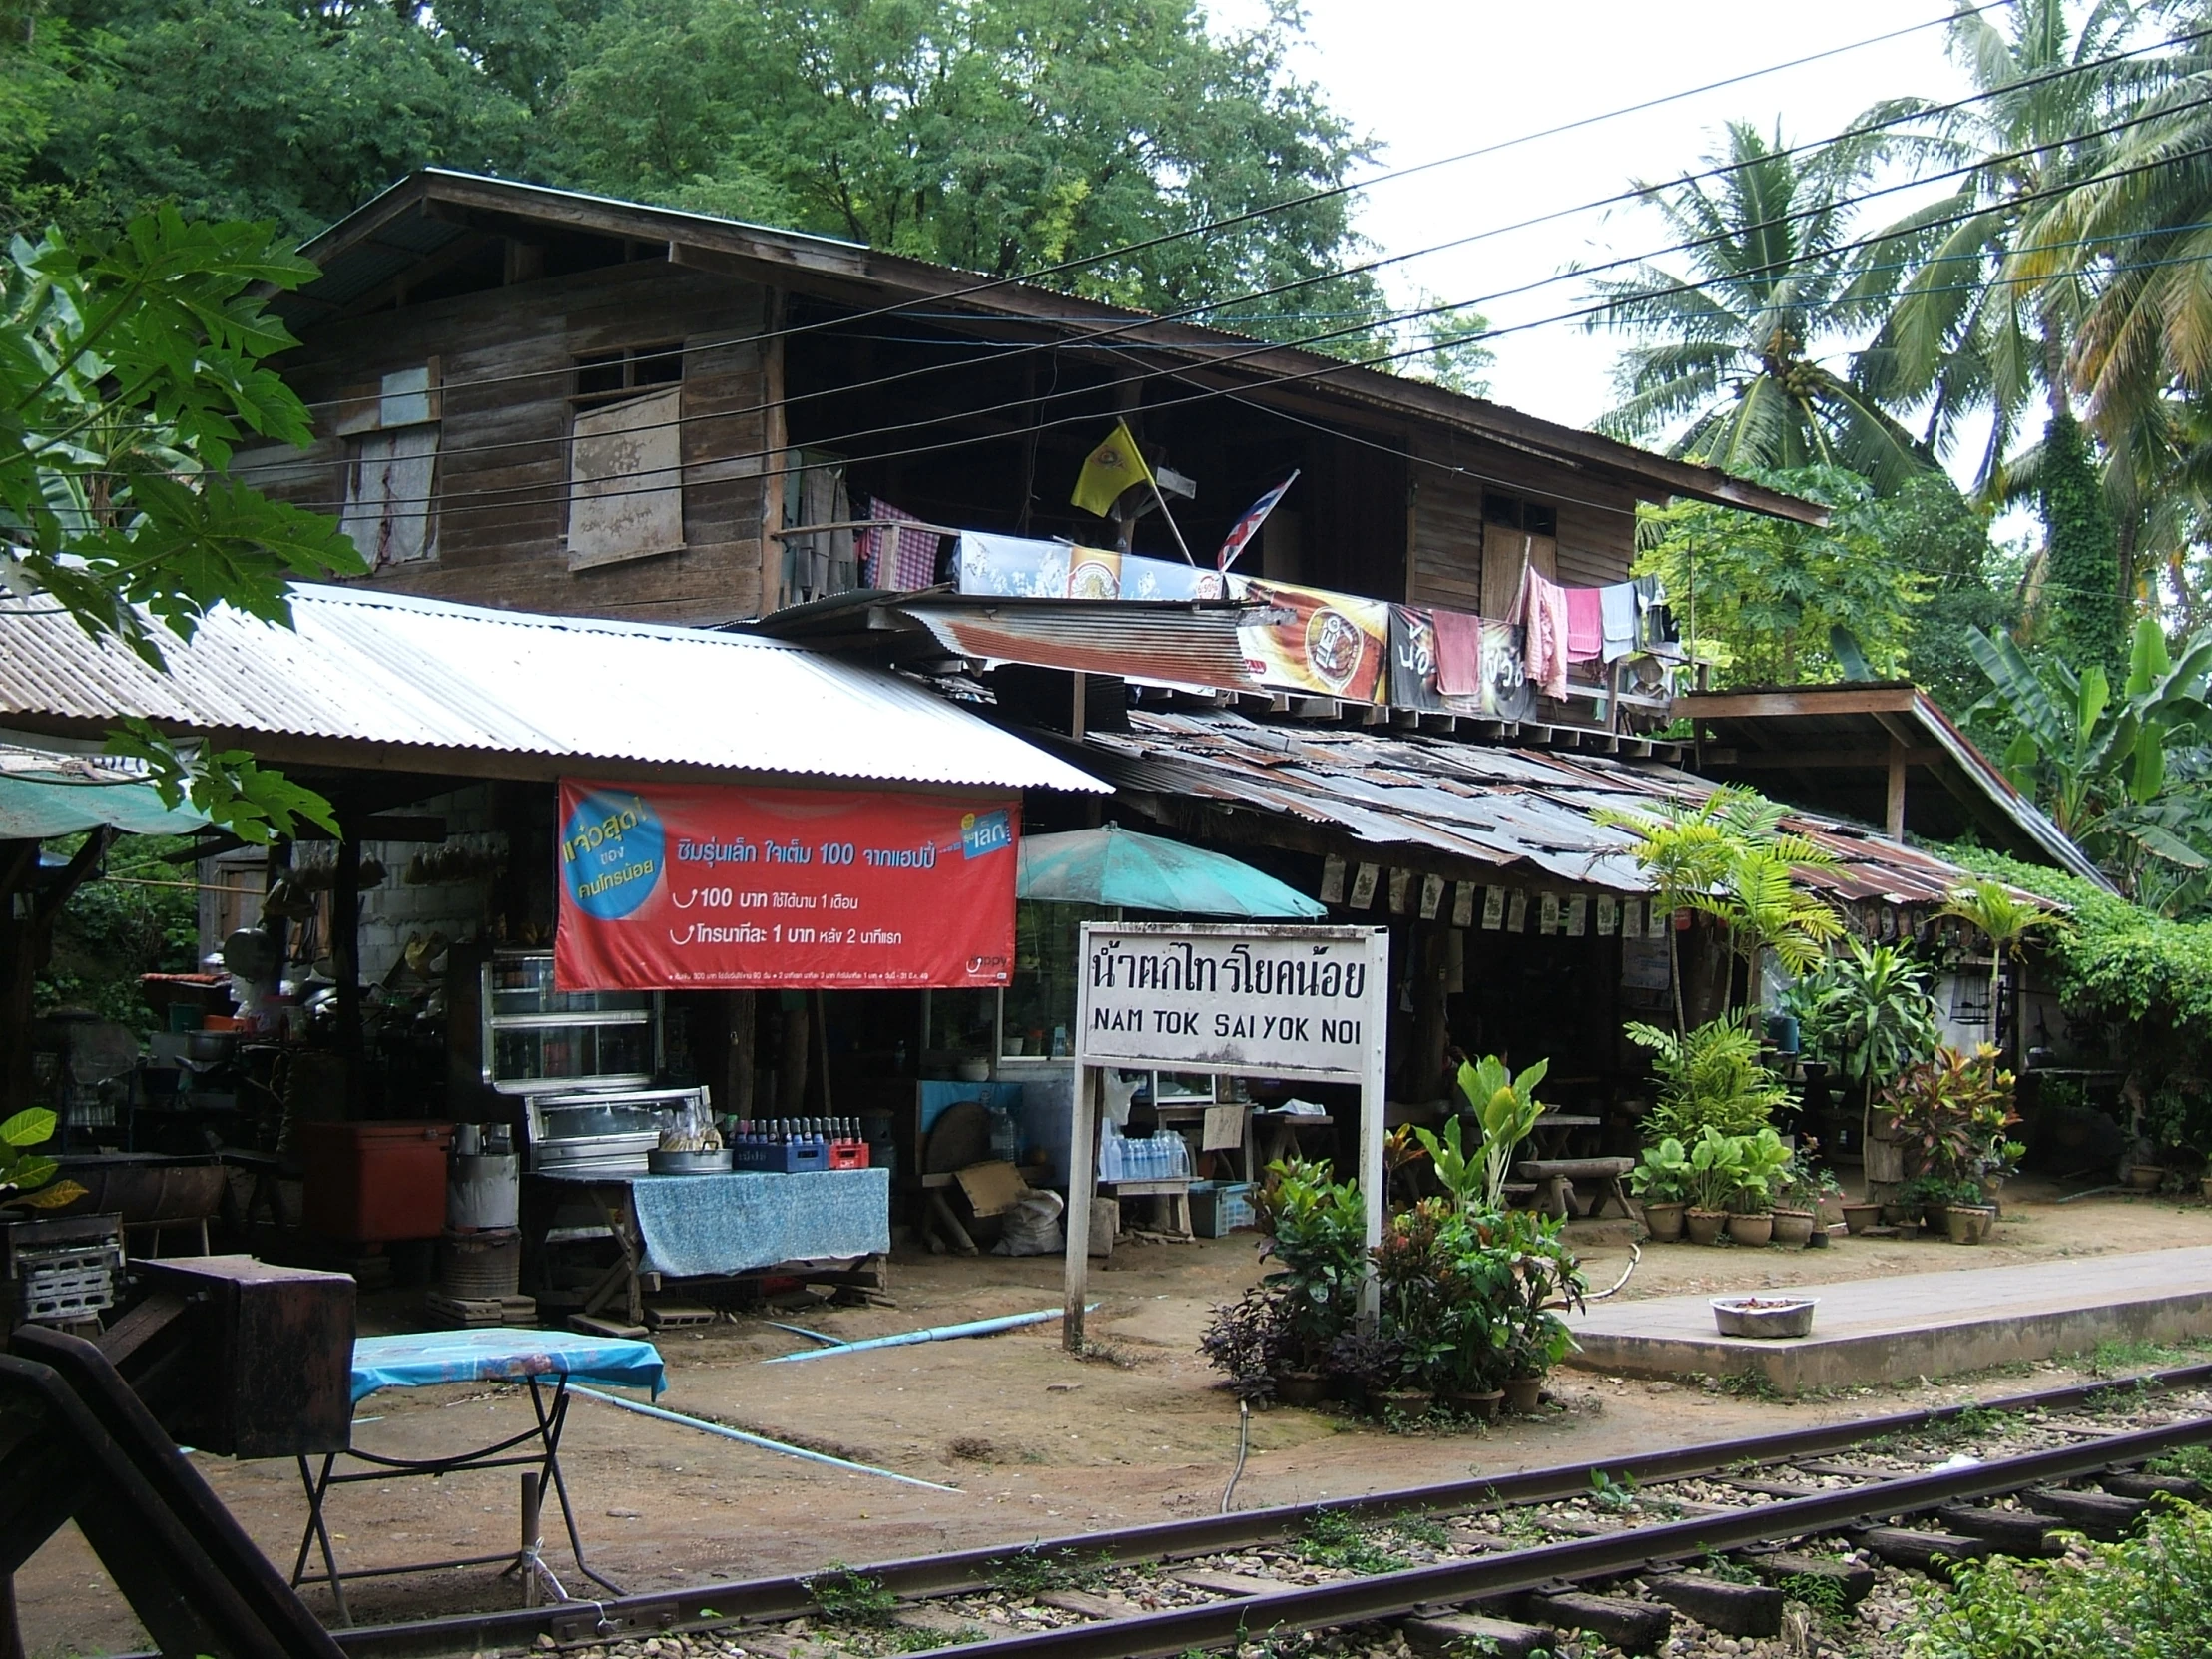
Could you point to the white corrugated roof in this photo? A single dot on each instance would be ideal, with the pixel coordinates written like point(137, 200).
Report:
point(394, 668)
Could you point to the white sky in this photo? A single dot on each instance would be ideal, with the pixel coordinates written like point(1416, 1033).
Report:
point(1430, 78)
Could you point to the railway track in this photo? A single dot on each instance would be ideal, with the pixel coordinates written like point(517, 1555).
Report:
point(1723, 1534)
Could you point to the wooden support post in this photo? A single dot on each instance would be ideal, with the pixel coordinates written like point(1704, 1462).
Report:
point(1895, 815)
point(346, 956)
point(1082, 1184)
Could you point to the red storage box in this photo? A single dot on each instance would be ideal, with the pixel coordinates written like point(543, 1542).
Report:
point(375, 1183)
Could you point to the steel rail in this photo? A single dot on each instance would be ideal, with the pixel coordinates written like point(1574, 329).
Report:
point(789, 1596)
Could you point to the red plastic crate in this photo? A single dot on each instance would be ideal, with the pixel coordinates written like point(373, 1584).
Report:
point(849, 1155)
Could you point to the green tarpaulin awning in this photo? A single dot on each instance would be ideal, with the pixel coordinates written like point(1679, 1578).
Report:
point(36, 805)
point(1146, 872)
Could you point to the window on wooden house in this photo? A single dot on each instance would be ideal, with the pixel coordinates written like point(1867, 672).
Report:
point(390, 437)
point(1518, 535)
point(626, 456)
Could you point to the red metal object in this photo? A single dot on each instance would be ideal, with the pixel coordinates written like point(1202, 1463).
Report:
point(375, 1183)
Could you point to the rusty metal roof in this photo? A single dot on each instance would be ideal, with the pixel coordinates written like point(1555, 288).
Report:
point(437, 686)
point(1465, 801)
point(1183, 644)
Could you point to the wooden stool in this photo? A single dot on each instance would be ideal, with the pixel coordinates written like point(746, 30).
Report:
point(1557, 1177)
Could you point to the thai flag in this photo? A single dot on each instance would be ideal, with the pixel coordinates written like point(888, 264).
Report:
point(1249, 526)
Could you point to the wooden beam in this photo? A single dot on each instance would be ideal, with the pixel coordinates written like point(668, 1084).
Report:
point(1815, 700)
point(1893, 810)
point(1811, 760)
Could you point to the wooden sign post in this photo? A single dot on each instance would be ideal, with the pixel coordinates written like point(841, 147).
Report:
point(1308, 1003)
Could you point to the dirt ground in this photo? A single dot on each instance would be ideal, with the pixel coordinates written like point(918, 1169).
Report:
point(1039, 1443)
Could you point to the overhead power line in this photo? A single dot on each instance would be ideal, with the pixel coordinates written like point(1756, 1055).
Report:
point(1356, 323)
point(531, 495)
point(1307, 199)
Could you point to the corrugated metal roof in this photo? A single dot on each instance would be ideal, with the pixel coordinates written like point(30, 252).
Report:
point(1485, 805)
point(1177, 644)
point(395, 670)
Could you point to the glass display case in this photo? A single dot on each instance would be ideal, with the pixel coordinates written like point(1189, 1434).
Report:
point(606, 1130)
point(537, 1038)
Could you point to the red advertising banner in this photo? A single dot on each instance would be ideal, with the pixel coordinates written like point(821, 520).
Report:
point(698, 887)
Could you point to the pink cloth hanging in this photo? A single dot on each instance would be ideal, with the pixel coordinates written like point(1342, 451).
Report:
point(1586, 623)
point(1459, 653)
point(1542, 609)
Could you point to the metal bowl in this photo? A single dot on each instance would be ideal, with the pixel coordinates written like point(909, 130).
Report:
point(658, 1162)
point(1765, 1316)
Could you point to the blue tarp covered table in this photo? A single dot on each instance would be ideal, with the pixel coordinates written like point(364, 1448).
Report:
point(702, 1226)
point(428, 1358)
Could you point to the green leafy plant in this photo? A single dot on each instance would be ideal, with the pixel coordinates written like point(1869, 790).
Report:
point(1710, 1077)
point(1462, 1177)
point(849, 1596)
point(1542, 1278)
point(2007, 919)
point(1869, 1013)
point(2146, 1598)
point(2098, 766)
point(27, 1177)
point(1315, 1231)
point(1761, 1162)
point(1616, 1498)
point(1506, 1107)
point(1337, 1538)
point(1804, 1184)
point(1662, 1174)
point(1950, 1113)
point(1716, 1170)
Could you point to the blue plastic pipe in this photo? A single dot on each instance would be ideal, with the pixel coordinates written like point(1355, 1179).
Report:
point(935, 1334)
point(760, 1441)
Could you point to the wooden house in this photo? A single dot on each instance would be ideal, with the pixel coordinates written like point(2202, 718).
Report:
point(534, 398)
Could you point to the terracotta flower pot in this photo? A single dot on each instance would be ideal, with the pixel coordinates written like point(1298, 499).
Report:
point(1752, 1229)
point(1895, 1214)
point(1481, 1408)
point(1524, 1394)
point(1405, 1403)
point(1859, 1216)
point(1794, 1227)
point(1704, 1226)
point(1970, 1224)
point(1934, 1217)
point(1301, 1388)
point(2146, 1178)
point(1664, 1221)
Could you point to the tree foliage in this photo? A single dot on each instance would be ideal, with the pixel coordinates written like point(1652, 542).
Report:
point(1767, 595)
point(2082, 567)
point(130, 371)
point(1729, 358)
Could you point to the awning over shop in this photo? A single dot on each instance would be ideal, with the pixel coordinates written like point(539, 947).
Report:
point(1451, 806)
point(43, 794)
point(394, 681)
point(1114, 866)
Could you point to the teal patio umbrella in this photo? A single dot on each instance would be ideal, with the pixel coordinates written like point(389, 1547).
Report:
point(1114, 866)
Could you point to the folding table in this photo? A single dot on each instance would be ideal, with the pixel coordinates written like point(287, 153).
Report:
point(428, 1359)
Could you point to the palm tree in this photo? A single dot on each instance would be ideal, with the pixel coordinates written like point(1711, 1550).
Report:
point(2005, 918)
point(1986, 293)
point(1732, 352)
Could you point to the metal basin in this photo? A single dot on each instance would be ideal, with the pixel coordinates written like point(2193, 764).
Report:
point(658, 1162)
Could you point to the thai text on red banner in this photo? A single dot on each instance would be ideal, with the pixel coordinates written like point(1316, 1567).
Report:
point(700, 886)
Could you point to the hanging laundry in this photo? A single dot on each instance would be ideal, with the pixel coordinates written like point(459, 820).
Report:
point(1617, 606)
point(1654, 622)
point(897, 556)
point(1459, 653)
point(1585, 625)
point(1542, 609)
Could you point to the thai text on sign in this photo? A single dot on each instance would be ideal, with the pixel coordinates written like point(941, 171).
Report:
point(1286, 1000)
point(696, 886)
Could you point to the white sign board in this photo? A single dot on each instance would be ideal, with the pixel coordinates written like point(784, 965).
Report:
point(1279, 1000)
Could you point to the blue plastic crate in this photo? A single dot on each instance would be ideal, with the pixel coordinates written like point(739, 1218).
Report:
point(780, 1157)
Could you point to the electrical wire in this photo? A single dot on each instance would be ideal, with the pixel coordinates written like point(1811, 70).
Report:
point(518, 495)
point(1328, 192)
point(1363, 322)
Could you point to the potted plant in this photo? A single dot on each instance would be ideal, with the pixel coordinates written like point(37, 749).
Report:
point(1797, 1213)
point(1543, 1278)
point(1761, 1162)
point(1660, 1182)
point(1316, 1231)
point(1970, 1223)
point(1249, 1340)
point(1868, 1012)
point(1715, 1174)
point(1710, 1077)
point(1949, 1114)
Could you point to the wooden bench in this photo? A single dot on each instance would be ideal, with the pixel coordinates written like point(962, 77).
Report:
point(1557, 1178)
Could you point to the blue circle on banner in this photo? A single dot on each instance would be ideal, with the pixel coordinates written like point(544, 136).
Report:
point(612, 854)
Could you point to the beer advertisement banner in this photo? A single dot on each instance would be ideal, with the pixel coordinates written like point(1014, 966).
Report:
point(703, 887)
point(1310, 640)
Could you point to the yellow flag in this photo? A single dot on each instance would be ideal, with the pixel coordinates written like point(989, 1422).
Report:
point(1108, 470)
